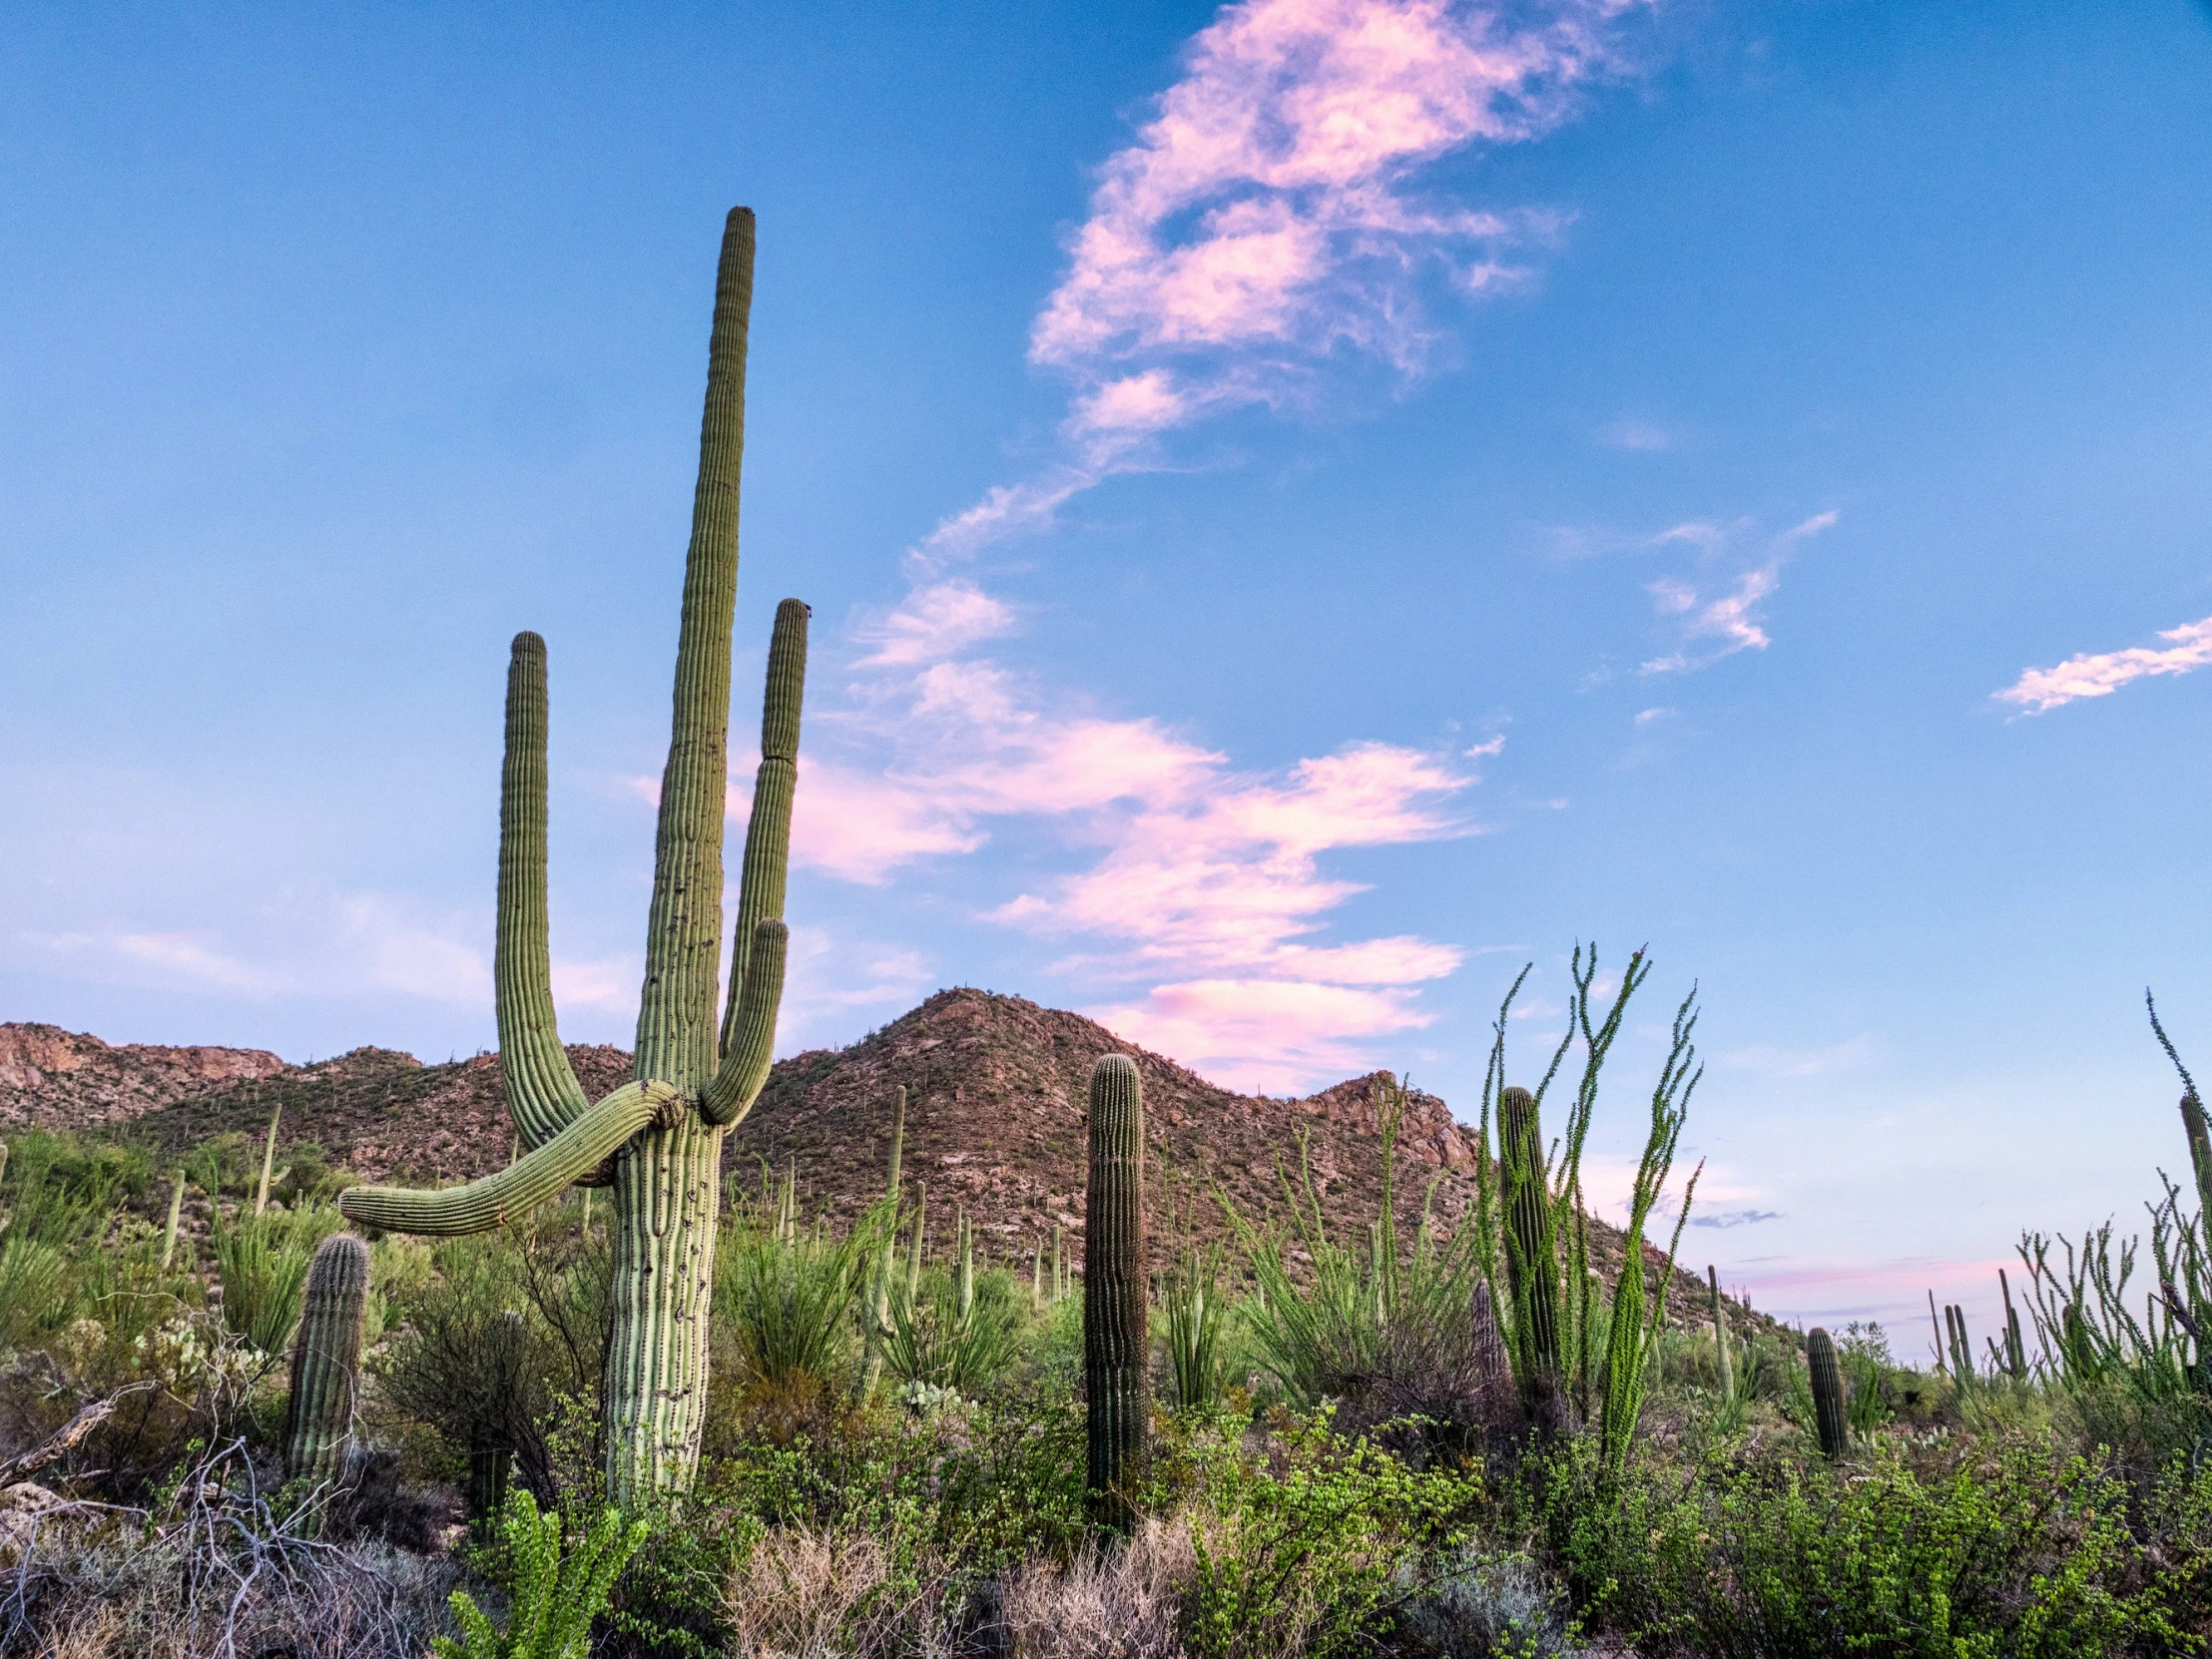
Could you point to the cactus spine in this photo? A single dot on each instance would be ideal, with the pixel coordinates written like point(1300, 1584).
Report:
point(657, 1141)
point(1531, 1244)
point(1116, 1352)
point(1828, 1394)
point(1720, 1333)
point(327, 1361)
point(168, 1231)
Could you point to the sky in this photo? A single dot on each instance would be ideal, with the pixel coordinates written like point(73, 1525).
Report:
point(1308, 505)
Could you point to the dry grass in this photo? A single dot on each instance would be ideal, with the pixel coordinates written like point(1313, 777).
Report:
point(1121, 1602)
point(803, 1593)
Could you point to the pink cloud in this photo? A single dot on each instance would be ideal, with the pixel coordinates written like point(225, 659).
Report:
point(1259, 1035)
point(1264, 222)
point(2039, 690)
point(933, 622)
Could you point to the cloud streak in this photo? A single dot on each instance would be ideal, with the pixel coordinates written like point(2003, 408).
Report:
point(1265, 220)
point(2040, 689)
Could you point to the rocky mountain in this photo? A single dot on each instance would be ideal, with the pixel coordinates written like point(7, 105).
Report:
point(994, 1125)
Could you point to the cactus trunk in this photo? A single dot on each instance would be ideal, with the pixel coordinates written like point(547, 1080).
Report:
point(657, 1139)
point(1531, 1245)
point(1117, 1355)
point(1828, 1394)
point(326, 1362)
point(268, 1160)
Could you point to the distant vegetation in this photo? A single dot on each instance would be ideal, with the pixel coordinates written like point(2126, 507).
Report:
point(1351, 1443)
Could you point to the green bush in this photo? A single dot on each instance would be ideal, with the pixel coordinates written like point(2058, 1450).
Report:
point(2015, 1549)
point(553, 1594)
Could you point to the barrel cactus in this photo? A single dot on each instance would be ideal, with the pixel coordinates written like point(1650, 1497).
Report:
point(657, 1139)
point(327, 1361)
point(1828, 1394)
point(1117, 1351)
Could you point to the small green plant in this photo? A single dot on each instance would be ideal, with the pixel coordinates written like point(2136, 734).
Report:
point(1197, 1318)
point(262, 1262)
point(556, 1594)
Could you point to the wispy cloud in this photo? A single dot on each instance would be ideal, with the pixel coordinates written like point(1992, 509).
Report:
point(1266, 222)
point(2039, 690)
point(1636, 434)
point(1726, 1218)
point(1711, 620)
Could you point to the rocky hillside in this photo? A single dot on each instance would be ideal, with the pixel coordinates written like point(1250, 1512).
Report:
point(994, 1127)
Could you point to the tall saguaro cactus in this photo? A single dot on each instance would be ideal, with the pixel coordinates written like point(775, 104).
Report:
point(1828, 1394)
point(327, 1361)
point(657, 1139)
point(1117, 1355)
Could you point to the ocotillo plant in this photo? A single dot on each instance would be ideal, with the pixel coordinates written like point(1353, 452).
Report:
point(1828, 1394)
point(1720, 1334)
point(657, 1141)
point(327, 1361)
point(1117, 1351)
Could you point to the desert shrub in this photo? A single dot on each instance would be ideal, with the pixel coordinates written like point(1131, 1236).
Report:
point(1303, 1541)
point(941, 1341)
point(790, 1305)
point(807, 1593)
point(556, 1586)
point(2015, 1549)
point(213, 1565)
point(1477, 1603)
point(1114, 1600)
point(477, 1363)
point(262, 1264)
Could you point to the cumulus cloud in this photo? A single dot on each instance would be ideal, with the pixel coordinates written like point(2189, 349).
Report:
point(2040, 689)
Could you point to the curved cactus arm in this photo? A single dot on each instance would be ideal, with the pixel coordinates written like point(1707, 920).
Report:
point(498, 1199)
point(744, 1064)
point(767, 832)
point(542, 1092)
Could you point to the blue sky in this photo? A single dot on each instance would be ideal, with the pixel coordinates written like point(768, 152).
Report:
point(1306, 506)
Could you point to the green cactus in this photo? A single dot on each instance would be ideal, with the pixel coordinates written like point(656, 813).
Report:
point(2015, 1351)
point(268, 1160)
point(1117, 1353)
point(1531, 1244)
point(169, 1232)
point(327, 1361)
point(1828, 1395)
point(656, 1141)
point(1720, 1334)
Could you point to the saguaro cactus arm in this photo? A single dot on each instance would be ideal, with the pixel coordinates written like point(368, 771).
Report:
point(495, 1200)
point(677, 1039)
point(768, 834)
point(744, 1064)
point(543, 1096)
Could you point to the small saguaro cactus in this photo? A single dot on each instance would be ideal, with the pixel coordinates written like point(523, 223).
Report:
point(656, 1141)
point(1720, 1333)
point(327, 1361)
point(1531, 1243)
point(1828, 1394)
point(169, 1232)
point(2015, 1351)
point(1117, 1353)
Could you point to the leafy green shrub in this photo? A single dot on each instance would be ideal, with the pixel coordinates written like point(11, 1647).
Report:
point(791, 1302)
point(2015, 1549)
point(554, 1597)
point(1306, 1551)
